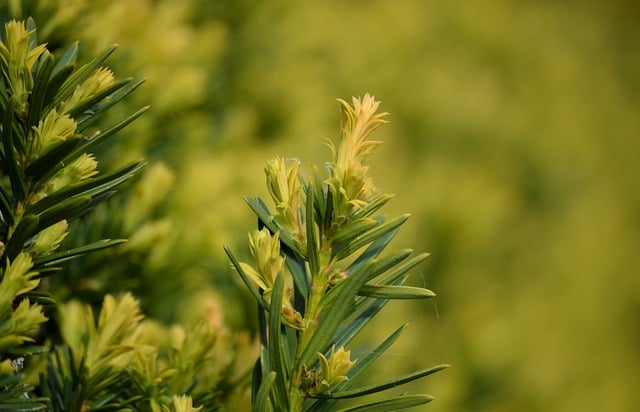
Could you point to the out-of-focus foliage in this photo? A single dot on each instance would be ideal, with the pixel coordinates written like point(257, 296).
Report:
point(48, 178)
point(513, 138)
point(55, 355)
point(120, 359)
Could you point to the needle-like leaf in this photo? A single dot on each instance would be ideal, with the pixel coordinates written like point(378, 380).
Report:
point(89, 117)
point(261, 402)
point(266, 218)
point(246, 279)
point(59, 257)
point(27, 228)
point(43, 72)
point(276, 343)
point(89, 103)
point(11, 165)
point(391, 404)
point(312, 237)
point(395, 292)
point(343, 250)
point(382, 386)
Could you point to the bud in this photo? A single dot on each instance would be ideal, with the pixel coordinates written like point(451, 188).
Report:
point(80, 169)
point(99, 81)
point(266, 249)
point(26, 320)
point(288, 311)
point(19, 56)
point(183, 403)
point(17, 278)
point(334, 370)
point(49, 239)
point(55, 128)
point(349, 182)
point(284, 187)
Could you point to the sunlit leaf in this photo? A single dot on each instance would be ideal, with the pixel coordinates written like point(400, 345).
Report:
point(59, 257)
point(327, 405)
point(382, 386)
point(81, 75)
point(391, 404)
point(99, 137)
point(277, 348)
point(246, 279)
point(89, 187)
point(88, 118)
point(266, 218)
point(89, 103)
point(347, 248)
point(353, 229)
point(395, 292)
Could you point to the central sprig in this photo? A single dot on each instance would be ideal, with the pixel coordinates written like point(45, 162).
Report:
point(317, 275)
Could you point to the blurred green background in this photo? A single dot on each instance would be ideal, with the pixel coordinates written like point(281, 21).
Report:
point(514, 143)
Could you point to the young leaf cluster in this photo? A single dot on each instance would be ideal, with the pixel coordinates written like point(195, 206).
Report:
point(123, 361)
point(48, 177)
point(321, 274)
point(59, 355)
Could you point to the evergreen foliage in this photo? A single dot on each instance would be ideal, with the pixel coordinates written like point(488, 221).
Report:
point(319, 276)
point(513, 142)
point(59, 353)
point(68, 345)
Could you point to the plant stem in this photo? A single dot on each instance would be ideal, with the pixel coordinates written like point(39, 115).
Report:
point(316, 293)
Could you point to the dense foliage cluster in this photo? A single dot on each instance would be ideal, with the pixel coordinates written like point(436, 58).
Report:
point(319, 276)
point(315, 285)
point(56, 352)
point(512, 141)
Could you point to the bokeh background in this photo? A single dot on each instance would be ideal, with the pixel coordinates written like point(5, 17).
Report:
point(513, 142)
